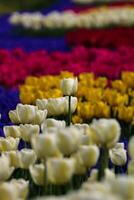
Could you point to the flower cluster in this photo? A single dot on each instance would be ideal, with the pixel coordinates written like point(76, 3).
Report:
point(90, 18)
point(51, 163)
point(97, 96)
point(103, 62)
point(112, 38)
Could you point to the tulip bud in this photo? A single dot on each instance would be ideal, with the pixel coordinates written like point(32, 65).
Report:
point(38, 174)
point(118, 154)
point(60, 170)
point(69, 86)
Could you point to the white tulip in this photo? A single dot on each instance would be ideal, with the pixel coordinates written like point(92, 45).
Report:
point(69, 86)
point(38, 174)
point(13, 131)
point(68, 140)
point(60, 170)
point(13, 157)
point(105, 132)
point(48, 123)
point(21, 186)
point(118, 154)
point(15, 18)
point(8, 191)
point(80, 168)
point(27, 114)
point(45, 145)
point(9, 144)
point(28, 130)
point(89, 155)
point(85, 137)
point(5, 170)
point(26, 158)
point(57, 106)
point(74, 102)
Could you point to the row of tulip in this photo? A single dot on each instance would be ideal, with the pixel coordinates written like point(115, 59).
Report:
point(103, 62)
point(92, 18)
point(52, 163)
point(97, 97)
point(111, 38)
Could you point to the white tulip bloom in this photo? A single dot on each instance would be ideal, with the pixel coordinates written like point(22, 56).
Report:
point(21, 186)
point(27, 114)
point(26, 158)
point(80, 168)
point(68, 140)
point(45, 145)
point(38, 174)
point(13, 157)
point(69, 86)
point(89, 155)
point(60, 170)
point(50, 123)
point(118, 154)
point(105, 132)
point(8, 191)
point(15, 18)
point(13, 131)
point(5, 170)
point(57, 106)
point(9, 144)
point(28, 130)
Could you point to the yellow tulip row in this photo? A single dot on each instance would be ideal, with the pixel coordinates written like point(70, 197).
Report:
point(97, 96)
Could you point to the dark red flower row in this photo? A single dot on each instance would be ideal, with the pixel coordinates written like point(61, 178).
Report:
point(16, 65)
point(102, 37)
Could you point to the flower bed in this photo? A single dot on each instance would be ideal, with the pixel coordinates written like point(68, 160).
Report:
point(103, 62)
point(66, 20)
point(98, 97)
point(50, 162)
point(111, 38)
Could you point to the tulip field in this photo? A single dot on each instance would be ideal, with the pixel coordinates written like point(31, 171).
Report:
point(67, 100)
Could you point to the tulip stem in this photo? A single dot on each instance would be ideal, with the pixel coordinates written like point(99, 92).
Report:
point(103, 163)
point(69, 111)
